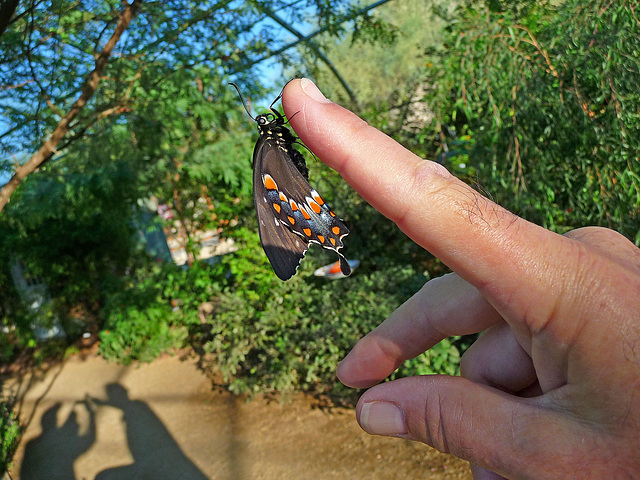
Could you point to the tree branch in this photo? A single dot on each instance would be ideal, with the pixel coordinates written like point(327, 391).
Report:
point(306, 38)
point(89, 88)
point(313, 46)
point(7, 9)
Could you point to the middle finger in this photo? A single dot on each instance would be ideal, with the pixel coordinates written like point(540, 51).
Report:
point(443, 307)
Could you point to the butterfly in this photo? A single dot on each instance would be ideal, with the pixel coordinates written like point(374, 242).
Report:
point(291, 214)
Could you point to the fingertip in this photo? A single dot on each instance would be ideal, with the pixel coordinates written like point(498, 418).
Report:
point(312, 91)
point(382, 418)
point(352, 372)
point(303, 87)
point(370, 361)
point(291, 88)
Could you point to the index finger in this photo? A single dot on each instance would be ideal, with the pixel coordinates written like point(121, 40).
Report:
point(484, 243)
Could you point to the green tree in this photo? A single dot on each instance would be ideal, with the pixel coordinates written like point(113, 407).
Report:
point(61, 78)
point(77, 228)
point(28, 50)
point(164, 123)
point(546, 97)
point(386, 76)
point(155, 112)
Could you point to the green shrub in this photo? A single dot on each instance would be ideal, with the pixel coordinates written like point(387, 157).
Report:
point(547, 93)
point(7, 348)
point(9, 435)
point(273, 336)
point(142, 334)
point(150, 312)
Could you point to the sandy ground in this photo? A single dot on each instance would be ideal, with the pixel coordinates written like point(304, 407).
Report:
point(88, 419)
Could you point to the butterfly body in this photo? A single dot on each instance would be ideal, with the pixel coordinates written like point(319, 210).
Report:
point(291, 214)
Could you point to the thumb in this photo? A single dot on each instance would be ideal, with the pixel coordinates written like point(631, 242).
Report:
point(502, 433)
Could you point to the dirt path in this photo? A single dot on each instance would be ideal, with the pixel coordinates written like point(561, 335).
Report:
point(88, 419)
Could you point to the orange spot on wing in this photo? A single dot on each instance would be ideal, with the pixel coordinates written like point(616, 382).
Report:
point(307, 231)
point(333, 242)
point(294, 206)
point(315, 207)
point(276, 207)
point(318, 199)
point(336, 230)
point(331, 213)
point(292, 220)
point(283, 197)
point(269, 183)
point(321, 238)
point(305, 214)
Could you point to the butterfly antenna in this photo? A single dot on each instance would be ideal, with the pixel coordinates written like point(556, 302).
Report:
point(279, 95)
point(242, 99)
point(289, 119)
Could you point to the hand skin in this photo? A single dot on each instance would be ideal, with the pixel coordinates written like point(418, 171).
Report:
point(551, 390)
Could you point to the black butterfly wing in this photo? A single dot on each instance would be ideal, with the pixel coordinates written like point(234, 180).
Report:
point(284, 248)
point(291, 214)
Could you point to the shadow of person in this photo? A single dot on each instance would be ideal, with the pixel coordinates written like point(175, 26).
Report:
point(52, 454)
point(156, 455)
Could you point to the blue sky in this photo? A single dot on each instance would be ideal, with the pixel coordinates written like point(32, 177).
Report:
point(270, 70)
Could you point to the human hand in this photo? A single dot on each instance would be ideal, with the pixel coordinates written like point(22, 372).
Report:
point(552, 387)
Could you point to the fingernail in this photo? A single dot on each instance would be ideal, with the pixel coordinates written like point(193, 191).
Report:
point(382, 418)
point(312, 91)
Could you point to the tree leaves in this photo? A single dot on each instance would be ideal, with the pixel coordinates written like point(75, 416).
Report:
point(549, 94)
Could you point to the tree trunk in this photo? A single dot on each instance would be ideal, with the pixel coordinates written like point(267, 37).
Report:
point(91, 84)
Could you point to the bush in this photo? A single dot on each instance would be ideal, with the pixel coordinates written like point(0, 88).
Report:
point(140, 333)
point(150, 312)
point(547, 96)
point(9, 435)
point(273, 336)
point(7, 347)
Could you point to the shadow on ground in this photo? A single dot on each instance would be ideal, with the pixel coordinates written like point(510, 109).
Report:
point(87, 419)
point(155, 453)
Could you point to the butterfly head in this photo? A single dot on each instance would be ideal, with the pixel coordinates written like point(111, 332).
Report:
point(268, 121)
point(265, 119)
